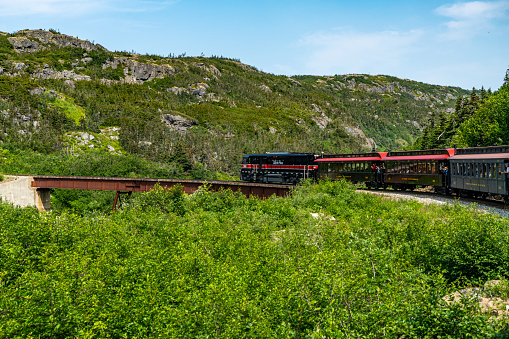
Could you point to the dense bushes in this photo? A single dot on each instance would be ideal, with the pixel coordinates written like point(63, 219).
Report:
point(218, 264)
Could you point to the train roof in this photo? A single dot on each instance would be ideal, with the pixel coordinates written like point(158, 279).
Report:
point(477, 153)
point(353, 157)
point(483, 150)
point(480, 156)
point(423, 155)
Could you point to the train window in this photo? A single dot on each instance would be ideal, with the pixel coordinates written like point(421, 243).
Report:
point(495, 172)
point(390, 167)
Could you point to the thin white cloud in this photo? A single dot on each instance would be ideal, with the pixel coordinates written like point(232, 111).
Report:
point(468, 18)
point(348, 51)
point(77, 7)
point(47, 7)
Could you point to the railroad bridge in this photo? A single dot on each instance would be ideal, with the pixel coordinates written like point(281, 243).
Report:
point(35, 190)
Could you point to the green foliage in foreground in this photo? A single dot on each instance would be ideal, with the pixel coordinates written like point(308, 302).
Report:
point(220, 265)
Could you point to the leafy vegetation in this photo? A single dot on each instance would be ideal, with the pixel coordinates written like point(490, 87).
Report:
point(218, 264)
point(479, 120)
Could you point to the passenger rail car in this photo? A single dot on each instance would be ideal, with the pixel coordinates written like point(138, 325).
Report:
point(359, 167)
point(410, 169)
point(284, 168)
point(480, 171)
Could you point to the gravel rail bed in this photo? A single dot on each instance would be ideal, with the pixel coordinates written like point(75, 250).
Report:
point(429, 198)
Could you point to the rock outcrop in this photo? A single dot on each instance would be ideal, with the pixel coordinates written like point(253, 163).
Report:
point(357, 132)
point(61, 40)
point(391, 88)
point(137, 72)
point(50, 73)
point(177, 123)
point(24, 45)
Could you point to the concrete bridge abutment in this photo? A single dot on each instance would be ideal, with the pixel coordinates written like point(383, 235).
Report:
point(18, 191)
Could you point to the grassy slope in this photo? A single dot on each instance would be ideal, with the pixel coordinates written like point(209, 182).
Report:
point(237, 114)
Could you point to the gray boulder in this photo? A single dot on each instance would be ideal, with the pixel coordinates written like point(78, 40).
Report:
point(22, 44)
point(176, 122)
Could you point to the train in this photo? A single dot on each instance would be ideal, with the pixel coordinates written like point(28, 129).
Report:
point(467, 172)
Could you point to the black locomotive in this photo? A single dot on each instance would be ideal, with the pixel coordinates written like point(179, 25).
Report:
point(284, 168)
point(477, 172)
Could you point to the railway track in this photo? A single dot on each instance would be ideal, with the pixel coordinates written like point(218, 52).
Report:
point(426, 197)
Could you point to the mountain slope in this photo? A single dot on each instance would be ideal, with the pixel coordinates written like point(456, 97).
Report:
point(208, 111)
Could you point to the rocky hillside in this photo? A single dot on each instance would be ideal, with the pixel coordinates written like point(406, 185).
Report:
point(60, 93)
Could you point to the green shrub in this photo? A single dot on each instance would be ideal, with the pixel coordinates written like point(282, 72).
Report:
point(162, 199)
point(172, 265)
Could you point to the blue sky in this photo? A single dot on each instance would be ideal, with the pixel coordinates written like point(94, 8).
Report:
point(454, 43)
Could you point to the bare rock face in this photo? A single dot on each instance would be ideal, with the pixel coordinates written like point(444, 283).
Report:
point(322, 121)
point(295, 82)
point(61, 40)
point(265, 88)
point(137, 72)
point(210, 69)
point(23, 45)
point(176, 122)
point(357, 132)
point(147, 72)
point(50, 73)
